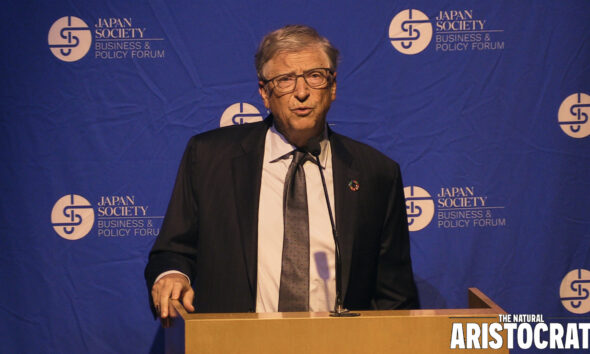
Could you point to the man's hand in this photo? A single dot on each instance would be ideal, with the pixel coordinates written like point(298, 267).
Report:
point(172, 286)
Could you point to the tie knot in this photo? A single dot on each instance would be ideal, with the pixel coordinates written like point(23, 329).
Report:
point(299, 157)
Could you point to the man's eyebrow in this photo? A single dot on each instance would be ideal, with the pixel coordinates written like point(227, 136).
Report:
point(292, 72)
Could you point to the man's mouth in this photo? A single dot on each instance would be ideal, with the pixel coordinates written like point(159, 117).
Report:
point(301, 111)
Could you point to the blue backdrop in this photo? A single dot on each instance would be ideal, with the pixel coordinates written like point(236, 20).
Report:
point(484, 104)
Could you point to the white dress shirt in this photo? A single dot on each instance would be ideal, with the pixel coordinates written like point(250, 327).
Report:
point(277, 158)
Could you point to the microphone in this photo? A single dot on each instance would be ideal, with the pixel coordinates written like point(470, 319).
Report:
point(314, 148)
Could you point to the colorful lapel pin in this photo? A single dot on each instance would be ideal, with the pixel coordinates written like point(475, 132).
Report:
point(353, 185)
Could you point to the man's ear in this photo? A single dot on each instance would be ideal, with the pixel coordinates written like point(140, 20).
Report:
point(264, 94)
point(333, 88)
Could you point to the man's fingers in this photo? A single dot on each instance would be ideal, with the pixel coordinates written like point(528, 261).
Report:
point(164, 295)
point(176, 290)
point(187, 300)
point(156, 297)
point(172, 286)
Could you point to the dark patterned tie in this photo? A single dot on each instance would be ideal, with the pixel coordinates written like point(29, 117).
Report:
point(294, 288)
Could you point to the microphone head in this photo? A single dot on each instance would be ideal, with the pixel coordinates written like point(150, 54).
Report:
point(313, 146)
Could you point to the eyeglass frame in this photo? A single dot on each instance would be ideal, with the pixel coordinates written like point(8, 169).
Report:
point(329, 79)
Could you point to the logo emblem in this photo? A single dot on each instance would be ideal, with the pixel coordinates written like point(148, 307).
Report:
point(69, 38)
point(410, 31)
point(574, 291)
point(419, 207)
point(573, 115)
point(240, 113)
point(72, 217)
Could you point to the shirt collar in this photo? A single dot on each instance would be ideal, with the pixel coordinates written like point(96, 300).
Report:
point(280, 148)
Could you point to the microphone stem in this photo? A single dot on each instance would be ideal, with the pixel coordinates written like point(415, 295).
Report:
point(338, 306)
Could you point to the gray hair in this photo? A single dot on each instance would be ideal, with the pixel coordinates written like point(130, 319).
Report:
point(292, 38)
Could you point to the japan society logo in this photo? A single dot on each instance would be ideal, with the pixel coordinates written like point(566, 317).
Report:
point(574, 291)
point(69, 38)
point(419, 207)
point(573, 115)
point(410, 31)
point(72, 217)
point(239, 113)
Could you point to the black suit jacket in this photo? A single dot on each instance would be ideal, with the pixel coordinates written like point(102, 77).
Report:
point(210, 231)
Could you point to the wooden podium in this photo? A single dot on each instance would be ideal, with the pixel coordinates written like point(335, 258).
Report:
point(398, 331)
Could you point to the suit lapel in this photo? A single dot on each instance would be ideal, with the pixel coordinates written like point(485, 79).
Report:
point(345, 201)
point(247, 175)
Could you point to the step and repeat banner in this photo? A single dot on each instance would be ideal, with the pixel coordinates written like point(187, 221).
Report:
point(484, 104)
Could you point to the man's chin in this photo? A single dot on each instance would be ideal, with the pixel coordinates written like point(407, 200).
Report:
point(306, 126)
point(298, 133)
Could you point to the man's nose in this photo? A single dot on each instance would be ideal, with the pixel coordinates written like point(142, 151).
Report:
point(301, 89)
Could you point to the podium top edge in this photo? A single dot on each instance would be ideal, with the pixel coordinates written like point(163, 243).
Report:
point(480, 306)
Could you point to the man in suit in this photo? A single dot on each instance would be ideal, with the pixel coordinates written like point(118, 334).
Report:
point(248, 227)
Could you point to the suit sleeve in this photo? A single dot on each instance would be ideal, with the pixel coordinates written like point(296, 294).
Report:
point(176, 245)
point(395, 287)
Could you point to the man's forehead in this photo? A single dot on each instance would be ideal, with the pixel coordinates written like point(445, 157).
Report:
point(297, 60)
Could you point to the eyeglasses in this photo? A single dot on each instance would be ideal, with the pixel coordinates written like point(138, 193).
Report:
point(314, 78)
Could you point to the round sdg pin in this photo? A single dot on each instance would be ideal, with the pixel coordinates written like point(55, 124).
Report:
point(353, 185)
